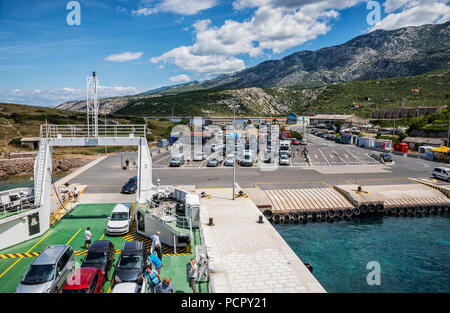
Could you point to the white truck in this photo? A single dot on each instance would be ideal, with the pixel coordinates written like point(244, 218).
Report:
point(285, 147)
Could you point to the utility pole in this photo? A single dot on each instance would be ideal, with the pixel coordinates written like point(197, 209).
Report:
point(235, 148)
point(448, 134)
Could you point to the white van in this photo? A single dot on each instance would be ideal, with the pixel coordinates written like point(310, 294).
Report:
point(120, 220)
point(442, 173)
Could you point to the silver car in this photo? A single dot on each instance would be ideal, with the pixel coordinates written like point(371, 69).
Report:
point(49, 271)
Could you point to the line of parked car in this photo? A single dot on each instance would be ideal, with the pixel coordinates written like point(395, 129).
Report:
point(54, 270)
point(324, 135)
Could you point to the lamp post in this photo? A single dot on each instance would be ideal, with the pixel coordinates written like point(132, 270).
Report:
point(234, 107)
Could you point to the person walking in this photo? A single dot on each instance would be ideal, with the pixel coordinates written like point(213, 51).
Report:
point(152, 276)
point(88, 236)
point(156, 244)
point(153, 259)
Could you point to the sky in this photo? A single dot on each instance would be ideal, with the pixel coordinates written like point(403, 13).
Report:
point(49, 47)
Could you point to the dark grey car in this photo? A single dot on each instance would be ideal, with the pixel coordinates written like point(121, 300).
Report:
point(131, 263)
point(49, 271)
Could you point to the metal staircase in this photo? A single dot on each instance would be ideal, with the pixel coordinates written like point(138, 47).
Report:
point(42, 163)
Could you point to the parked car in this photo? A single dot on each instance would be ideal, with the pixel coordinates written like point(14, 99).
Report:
point(303, 142)
point(247, 160)
point(229, 160)
point(49, 271)
point(120, 220)
point(386, 157)
point(199, 156)
point(177, 160)
point(126, 288)
point(212, 162)
point(442, 173)
point(100, 255)
point(131, 263)
point(295, 141)
point(130, 186)
point(85, 280)
point(284, 159)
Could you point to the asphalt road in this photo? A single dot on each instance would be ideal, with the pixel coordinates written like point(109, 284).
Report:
point(335, 164)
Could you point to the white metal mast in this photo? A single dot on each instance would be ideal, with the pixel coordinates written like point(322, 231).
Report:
point(92, 105)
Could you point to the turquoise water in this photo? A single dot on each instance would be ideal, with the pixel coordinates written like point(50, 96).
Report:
point(24, 181)
point(413, 253)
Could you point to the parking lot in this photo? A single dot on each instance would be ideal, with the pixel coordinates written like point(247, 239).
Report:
point(320, 155)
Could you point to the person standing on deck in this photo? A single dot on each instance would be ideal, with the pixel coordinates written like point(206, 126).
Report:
point(88, 236)
point(192, 272)
point(165, 286)
point(75, 194)
point(152, 277)
point(156, 244)
point(156, 262)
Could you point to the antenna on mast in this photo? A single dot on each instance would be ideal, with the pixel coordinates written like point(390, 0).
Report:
point(92, 105)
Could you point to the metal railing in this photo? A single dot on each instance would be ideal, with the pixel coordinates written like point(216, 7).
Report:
point(16, 201)
point(88, 131)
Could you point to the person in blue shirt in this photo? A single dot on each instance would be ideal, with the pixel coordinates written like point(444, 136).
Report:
point(152, 277)
point(153, 259)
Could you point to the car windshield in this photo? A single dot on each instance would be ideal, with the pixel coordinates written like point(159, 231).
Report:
point(119, 216)
point(176, 159)
point(84, 290)
point(247, 157)
point(132, 180)
point(95, 257)
point(38, 274)
point(128, 262)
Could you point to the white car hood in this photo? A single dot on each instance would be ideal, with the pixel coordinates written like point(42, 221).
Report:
point(117, 224)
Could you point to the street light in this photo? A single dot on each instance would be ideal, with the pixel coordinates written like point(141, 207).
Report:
point(234, 107)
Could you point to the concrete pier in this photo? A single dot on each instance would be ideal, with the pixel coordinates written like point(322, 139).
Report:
point(247, 256)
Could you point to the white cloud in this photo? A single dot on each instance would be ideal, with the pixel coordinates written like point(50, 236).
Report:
point(274, 27)
point(180, 78)
point(212, 64)
point(414, 13)
point(124, 57)
point(183, 7)
point(54, 97)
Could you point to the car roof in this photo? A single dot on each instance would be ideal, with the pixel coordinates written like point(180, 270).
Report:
point(50, 255)
point(100, 245)
point(122, 207)
point(125, 288)
point(80, 278)
point(133, 246)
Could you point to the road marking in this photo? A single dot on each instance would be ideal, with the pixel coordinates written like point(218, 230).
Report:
point(355, 157)
point(73, 236)
point(324, 156)
point(340, 157)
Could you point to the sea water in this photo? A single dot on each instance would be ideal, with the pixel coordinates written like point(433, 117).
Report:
point(24, 181)
point(413, 253)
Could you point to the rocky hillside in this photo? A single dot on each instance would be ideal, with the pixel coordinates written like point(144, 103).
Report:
point(360, 97)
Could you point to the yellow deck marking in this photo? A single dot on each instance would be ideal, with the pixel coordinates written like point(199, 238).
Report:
point(12, 256)
point(6, 271)
point(102, 236)
point(73, 236)
point(3, 256)
point(20, 255)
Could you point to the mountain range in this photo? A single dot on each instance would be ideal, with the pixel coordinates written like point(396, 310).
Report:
point(379, 54)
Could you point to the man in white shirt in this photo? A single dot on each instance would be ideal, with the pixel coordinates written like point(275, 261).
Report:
point(156, 244)
point(88, 236)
